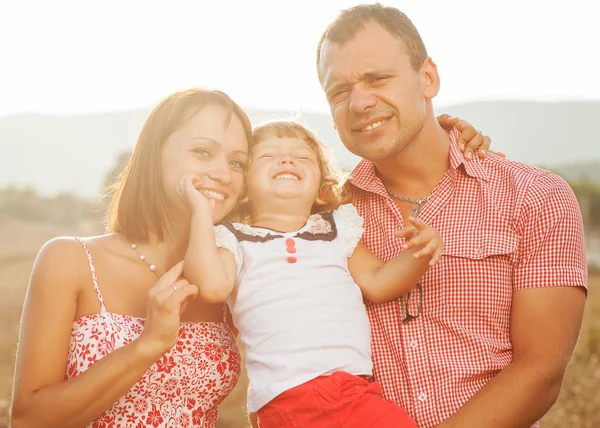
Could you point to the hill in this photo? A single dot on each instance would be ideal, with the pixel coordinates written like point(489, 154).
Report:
point(73, 153)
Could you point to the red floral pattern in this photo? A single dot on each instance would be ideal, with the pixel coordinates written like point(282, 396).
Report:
point(182, 389)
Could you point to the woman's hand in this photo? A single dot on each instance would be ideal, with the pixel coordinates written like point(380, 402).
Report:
point(420, 234)
point(194, 199)
point(166, 300)
point(471, 140)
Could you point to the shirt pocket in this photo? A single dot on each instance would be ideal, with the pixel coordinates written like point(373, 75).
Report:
point(476, 274)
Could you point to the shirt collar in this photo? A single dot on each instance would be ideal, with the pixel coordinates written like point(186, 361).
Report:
point(364, 176)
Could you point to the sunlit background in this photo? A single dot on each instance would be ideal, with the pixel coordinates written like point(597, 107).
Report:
point(77, 79)
point(74, 57)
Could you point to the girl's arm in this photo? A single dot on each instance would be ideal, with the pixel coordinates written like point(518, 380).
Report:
point(41, 395)
point(211, 269)
point(381, 282)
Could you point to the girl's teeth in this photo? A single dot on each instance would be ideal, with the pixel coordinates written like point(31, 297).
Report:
point(288, 176)
point(215, 195)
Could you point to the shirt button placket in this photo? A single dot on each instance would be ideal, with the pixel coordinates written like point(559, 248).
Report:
point(416, 364)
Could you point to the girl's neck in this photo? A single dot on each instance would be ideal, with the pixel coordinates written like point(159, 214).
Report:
point(279, 221)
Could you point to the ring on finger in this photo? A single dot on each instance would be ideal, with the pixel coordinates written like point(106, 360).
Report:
point(174, 287)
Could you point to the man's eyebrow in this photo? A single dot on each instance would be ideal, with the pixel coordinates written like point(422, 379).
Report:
point(365, 75)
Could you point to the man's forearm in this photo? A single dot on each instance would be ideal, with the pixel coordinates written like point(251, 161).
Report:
point(517, 397)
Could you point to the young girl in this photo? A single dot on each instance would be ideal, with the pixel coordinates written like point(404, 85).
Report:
point(295, 279)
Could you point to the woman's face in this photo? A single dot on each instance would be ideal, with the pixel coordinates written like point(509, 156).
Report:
point(215, 152)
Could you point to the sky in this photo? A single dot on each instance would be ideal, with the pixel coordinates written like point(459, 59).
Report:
point(77, 57)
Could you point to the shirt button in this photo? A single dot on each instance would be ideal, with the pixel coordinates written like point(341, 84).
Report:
point(478, 251)
point(422, 397)
point(413, 344)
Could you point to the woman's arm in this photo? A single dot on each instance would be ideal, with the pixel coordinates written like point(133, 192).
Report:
point(211, 268)
point(41, 396)
point(471, 140)
point(381, 282)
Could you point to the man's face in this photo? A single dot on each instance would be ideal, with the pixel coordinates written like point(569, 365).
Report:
point(377, 99)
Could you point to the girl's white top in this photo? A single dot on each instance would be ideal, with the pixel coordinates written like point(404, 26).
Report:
point(298, 320)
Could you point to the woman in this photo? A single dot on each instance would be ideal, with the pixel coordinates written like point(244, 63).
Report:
point(111, 334)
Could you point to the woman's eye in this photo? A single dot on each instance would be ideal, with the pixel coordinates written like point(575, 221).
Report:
point(238, 164)
point(202, 152)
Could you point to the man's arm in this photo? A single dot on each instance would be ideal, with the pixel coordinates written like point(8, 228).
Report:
point(545, 325)
point(547, 308)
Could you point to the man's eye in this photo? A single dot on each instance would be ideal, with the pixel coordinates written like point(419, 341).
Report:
point(379, 79)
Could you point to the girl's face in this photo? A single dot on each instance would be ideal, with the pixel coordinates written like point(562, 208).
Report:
point(215, 152)
point(283, 169)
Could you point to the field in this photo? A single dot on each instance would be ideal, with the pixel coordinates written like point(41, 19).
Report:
point(578, 405)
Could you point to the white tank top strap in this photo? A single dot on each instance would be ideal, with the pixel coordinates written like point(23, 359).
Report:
point(93, 274)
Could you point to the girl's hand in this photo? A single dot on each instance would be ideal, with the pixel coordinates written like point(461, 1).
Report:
point(471, 140)
point(166, 300)
point(423, 236)
point(194, 199)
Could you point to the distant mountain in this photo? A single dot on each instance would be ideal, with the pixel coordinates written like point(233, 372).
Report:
point(72, 154)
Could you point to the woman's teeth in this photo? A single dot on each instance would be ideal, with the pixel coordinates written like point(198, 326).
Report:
point(214, 194)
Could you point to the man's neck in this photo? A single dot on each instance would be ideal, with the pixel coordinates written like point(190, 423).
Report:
point(415, 171)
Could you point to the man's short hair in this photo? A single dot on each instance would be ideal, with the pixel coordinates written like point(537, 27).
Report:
point(350, 21)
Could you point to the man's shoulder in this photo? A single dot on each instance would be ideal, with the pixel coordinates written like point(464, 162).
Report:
point(503, 172)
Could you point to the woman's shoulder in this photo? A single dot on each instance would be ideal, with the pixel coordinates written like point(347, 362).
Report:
point(64, 259)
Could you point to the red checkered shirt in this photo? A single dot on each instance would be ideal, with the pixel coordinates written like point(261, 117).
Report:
point(505, 226)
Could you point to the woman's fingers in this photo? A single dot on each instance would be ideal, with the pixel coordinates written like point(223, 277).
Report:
point(169, 277)
point(178, 297)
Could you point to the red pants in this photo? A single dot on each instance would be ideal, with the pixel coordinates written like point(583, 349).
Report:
point(339, 400)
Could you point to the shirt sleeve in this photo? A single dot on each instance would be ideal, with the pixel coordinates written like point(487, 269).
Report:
point(551, 250)
point(349, 226)
point(227, 240)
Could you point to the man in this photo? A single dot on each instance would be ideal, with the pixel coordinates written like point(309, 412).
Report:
point(484, 339)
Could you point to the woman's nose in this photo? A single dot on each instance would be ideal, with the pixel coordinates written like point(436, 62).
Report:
point(221, 172)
